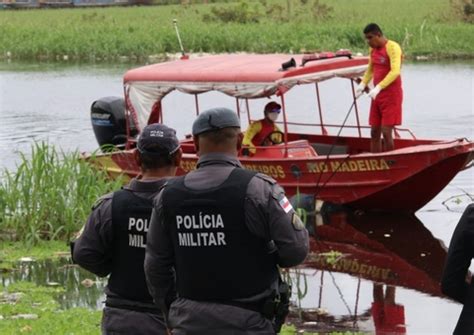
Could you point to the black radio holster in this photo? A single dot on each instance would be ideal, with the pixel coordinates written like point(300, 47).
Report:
point(277, 306)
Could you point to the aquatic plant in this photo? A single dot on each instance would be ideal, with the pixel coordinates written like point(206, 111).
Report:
point(49, 196)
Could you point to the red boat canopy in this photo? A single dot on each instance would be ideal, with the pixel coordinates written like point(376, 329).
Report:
point(237, 75)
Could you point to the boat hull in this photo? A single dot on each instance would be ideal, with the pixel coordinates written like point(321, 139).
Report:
point(404, 179)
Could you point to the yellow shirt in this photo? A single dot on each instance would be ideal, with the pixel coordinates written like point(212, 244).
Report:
point(394, 53)
point(253, 129)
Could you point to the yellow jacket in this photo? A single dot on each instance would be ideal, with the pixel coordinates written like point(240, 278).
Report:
point(252, 137)
point(394, 52)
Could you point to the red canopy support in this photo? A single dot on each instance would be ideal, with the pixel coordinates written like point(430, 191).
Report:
point(323, 130)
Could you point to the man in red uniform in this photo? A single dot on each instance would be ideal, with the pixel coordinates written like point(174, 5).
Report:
point(389, 317)
point(387, 95)
point(265, 131)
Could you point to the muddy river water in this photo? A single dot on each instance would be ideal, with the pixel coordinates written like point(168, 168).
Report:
point(403, 254)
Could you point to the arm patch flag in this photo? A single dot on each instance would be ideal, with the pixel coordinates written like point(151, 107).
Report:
point(285, 204)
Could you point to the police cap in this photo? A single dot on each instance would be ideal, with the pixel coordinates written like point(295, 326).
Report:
point(156, 138)
point(215, 119)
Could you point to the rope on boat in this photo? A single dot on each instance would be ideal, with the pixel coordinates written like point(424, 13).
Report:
point(330, 151)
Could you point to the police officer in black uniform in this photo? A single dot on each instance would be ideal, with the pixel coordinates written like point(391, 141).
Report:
point(457, 282)
point(114, 237)
point(217, 236)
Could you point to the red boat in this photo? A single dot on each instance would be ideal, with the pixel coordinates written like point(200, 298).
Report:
point(375, 247)
point(333, 167)
point(374, 250)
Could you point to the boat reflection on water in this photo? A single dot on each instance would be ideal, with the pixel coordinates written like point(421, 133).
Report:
point(381, 252)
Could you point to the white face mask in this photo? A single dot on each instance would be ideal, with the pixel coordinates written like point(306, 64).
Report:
point(273, 116)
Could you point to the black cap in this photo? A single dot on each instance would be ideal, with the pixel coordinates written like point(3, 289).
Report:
point(215, 119)
point(156, 138)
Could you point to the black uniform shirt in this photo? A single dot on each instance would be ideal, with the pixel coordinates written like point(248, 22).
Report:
point(93, 248)
point(262, 207)
point(460, 255)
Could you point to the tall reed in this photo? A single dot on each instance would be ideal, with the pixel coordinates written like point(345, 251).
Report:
point(50, 194)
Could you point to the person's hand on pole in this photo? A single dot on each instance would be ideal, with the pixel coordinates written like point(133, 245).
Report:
point(359, 90)
point(376, 90)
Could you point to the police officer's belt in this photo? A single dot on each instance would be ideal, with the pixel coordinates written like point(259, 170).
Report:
point(256, 306)
point(138, 307)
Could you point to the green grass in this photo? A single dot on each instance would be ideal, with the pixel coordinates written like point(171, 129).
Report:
point(49, 196)
point(13, 251)
point(50, 319)
point(41, 301)
point(424, 27)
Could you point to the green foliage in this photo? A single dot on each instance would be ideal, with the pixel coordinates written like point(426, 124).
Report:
point(288, 330)
point(463, 10)
point(39, 301)
point(332, 257)
point(425, 27)
point(242, 12)
point(13, 251)
point(49, 196)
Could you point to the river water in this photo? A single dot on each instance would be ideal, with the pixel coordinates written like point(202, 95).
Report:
point(51, 102)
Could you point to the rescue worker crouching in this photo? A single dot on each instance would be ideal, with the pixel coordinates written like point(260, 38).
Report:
point(114, 237)
point(263, 132)
point(222, 231)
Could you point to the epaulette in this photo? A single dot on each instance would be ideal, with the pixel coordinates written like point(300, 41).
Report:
point(99, 201)
point(277, 190)
point(267, 178)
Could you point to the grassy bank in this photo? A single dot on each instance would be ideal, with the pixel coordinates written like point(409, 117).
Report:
point(425, 27)
point(49, 196)
point(32, 309)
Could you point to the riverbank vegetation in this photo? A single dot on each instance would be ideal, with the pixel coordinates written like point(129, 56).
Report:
point(425, 28)
point(31, 309)
point(32, 306)
point(49, 196)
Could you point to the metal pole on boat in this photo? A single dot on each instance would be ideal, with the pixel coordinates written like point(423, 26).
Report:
point(323, 130)
point(238, 107)
point(321, 289)
point(356, 303)
point(183, 54)
point(248, 109)
point(285, 124)
point(356, 108)
point(196, 101)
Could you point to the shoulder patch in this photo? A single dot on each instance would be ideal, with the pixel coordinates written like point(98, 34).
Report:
point(285, 203)
point(296, 221)
point(99, 201)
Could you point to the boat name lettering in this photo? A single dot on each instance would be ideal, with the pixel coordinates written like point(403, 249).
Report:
point(274, 171)
point(357, 165)
point(353, 266)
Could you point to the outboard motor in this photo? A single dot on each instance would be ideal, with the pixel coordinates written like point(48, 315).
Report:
point(108, 121)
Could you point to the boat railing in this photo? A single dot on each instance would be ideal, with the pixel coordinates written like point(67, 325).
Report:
point(397, 130)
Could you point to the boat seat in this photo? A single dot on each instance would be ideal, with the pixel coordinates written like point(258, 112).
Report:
point(324, 149)
point(296, 149)
point(187, 146)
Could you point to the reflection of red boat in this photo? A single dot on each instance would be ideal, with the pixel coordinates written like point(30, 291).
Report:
point(377, 248)
point(334, 168)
